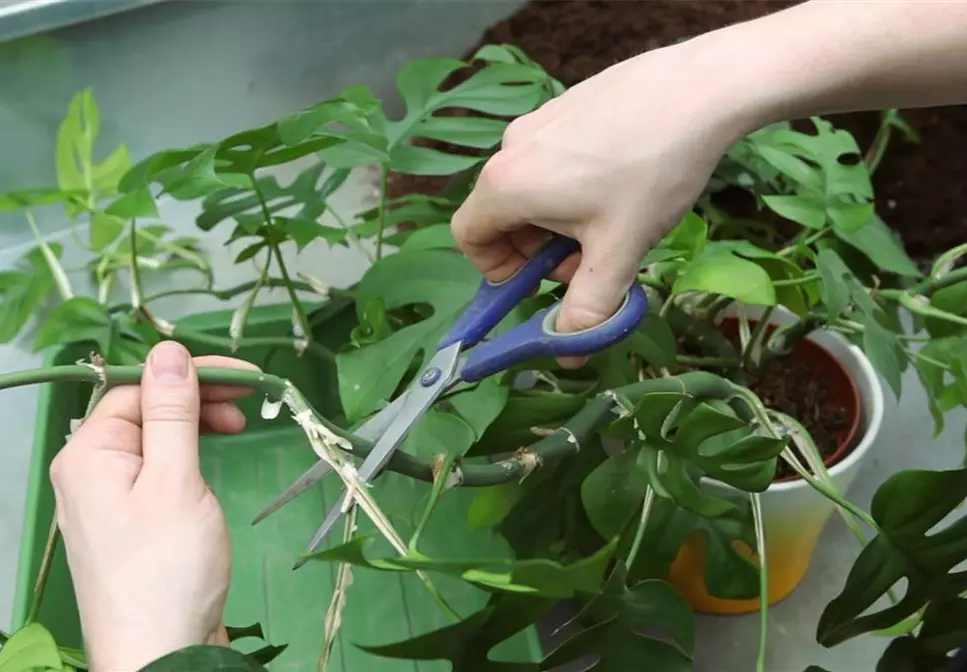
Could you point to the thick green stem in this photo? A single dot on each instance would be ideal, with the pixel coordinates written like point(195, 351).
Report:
point(227, 294)
point(564, 442)
point(46, 562)
point(760, 543)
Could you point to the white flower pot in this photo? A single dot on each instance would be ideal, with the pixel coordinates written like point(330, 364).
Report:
point(794, 513)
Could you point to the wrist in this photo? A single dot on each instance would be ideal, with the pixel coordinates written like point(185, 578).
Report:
point(131, 653)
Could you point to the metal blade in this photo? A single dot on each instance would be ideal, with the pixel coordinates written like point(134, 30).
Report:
point(315, 474)
point(433, 381)
point(370, 430)
point(334, 514)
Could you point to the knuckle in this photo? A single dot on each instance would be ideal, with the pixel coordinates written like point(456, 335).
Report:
point(498, 174)
point(515, 131)
point(170, 406)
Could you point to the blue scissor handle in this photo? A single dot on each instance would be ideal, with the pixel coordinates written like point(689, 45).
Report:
point(494, 300)
point(538, 338)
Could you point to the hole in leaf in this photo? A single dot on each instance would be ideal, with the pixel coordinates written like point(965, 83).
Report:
point(849, 159)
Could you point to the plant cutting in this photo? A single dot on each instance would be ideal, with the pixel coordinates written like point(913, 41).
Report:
point(629, 485)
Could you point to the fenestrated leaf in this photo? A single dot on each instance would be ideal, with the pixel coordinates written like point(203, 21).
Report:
point(619, 613)
point(729, 573)
point(303, 231)
point(907, 507)
point(355, 103)
point(204, 658)
point(30, 648)
point(443, 280)
point(466, 645)
point(308, 191)
point(499, 88)
point(724, 273)
point(23, 291)
point(715, 441)
point(80, 319)
point(880, 245)
point(75, 142)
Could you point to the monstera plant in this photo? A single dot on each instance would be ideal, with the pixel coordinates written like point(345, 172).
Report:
point(597, 478)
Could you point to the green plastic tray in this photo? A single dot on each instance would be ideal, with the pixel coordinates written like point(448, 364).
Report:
point(246, 472)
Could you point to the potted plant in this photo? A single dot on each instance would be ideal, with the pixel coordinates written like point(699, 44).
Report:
point(677, 440)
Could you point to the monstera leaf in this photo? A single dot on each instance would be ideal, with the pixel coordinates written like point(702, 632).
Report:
point(441, 279)
point(906, 508)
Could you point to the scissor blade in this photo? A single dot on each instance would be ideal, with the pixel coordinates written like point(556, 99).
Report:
point(376, 426)
point(419, 397)
point(313, 475)
point(334, 514)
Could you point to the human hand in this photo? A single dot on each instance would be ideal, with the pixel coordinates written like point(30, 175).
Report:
point(145, 537)
point(614, 162)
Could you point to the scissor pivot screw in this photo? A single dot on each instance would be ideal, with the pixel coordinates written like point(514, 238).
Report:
point(430, 376)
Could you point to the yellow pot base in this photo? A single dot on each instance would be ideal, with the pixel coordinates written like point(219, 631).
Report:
point(788, 564)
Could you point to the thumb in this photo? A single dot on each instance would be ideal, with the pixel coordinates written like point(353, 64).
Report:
point(595, 293)
point(170, 408)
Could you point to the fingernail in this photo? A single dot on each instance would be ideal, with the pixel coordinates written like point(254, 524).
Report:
point(169, 362)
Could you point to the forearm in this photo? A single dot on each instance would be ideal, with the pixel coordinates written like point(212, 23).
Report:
point(828, 56)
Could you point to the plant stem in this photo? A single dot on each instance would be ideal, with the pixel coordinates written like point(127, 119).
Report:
point(807, 241)
point(384, 179)
point(931, 285)
point(46, 561)
point(56, 270)
point(642, 524)
point(753, 353)
point(277, 252)
point(226, 294)
point(760, 542)
point(564, 442)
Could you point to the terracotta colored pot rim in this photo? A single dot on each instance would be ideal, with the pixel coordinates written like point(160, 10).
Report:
point(855, 408)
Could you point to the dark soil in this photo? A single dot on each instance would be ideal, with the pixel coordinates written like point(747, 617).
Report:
point(791, 387)
point(919, 189)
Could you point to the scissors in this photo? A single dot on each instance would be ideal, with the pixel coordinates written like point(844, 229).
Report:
point(464, 356)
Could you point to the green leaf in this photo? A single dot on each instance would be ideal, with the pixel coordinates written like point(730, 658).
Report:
point(75, 142)
point(614, 492)
point(428, 161)
point(137, 203)
point(835, 276)
point(908, 508)
point(491, 505)
point(441, 279)
point(810, 211)
point(17, 200)
point(953, 300)
point(303, 231)
point(108, 173)
point(850, 216)
point(620, 611)
point(792, 167)
point(881, 246)
point(467, 645)
point(23, 291)
point(688, 237)
point(438, 236)
point(526, 409)
point(309, 191)
point(354, 104)
point(883, 349)
point(439, 433)
point(729, 574)
point(482, 405)
point(75, 321)
point(537, 577)
point(204, 658)
point(104, 230)
point(30, 648)
point(724, 273)
point(499, 88)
